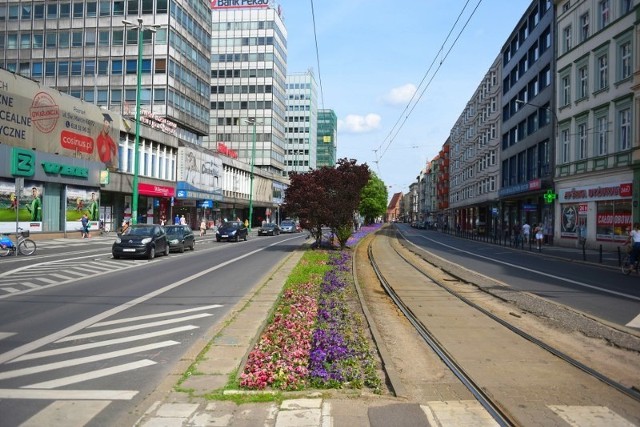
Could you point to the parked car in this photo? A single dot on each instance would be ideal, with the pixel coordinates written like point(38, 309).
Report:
point(269, 229)
point(180, 237)
point(287, 226)
point(231, 230)
point(141, 240)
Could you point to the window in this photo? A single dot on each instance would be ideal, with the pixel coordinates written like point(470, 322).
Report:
point(582, 142)
point(76, 38)
point(566, 90)
point(38, 40)
point(603, 7)
point(36, 69)
point(25, 41)
point(105, 7)
point(50, 68)
point(116, 66)
point(603, 72)
point(92, 11)
point(624, 129)
point(584, 27)
point(90, 67)
point(65, 10)
point(63, 39)
point(566, 39)
point(51, 40)
point(583, 85)
point(103, 38)
point(78, 10)
point(103, 67)
point(76, 68)
point(625, 6)
point(625, 60)
point(52, 11)
point(63, 68)
point(601, 134)
point(565, 147)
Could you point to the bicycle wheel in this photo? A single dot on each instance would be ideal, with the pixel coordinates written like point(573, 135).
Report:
point(626, 265)
point(27, 247)
point(4, 251)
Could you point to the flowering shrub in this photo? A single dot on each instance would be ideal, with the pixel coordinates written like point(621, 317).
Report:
point(313, 338)
point(362, 231)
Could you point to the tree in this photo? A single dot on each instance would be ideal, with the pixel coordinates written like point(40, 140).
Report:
point(373, 201)
point(327, 197)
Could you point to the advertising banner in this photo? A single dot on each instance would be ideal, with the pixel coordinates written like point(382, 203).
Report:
point(36, 117)
point(82, 201)
point(199, 171)
point(29, 206)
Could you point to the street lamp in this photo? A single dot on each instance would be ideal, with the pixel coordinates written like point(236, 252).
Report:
point(136, 155)
point(254, 122)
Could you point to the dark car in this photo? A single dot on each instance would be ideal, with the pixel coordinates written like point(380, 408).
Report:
point(141, 240)
point(287, 226)
point(180, 237)
point(269, 229)
point(231, 230)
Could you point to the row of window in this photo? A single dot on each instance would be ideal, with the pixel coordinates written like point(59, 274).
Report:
point(593, 141)
point(241, 89)
point(242, 73)
point(623, 70)
point(241, 105)
point(527, 94)
point(89, 67)
point(528, 59)
point(539, 118)
point(90, 9)
point(527, 28)
point(241, 41)
point(485, 185)
point(155, 161)
point(527, 165)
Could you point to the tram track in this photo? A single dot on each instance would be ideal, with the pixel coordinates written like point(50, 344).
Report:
point(427, 284)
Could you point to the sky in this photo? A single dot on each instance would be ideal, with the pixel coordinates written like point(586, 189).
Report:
point(373, 56)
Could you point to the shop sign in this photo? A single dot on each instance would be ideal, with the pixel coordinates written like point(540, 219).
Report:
point(583, 209)
point(529, 207)
point(51, 168)
point(616, 191)
point(155, 190)
point(23, 162)
point(206, 204)
point(238, 4)
point(226, 151)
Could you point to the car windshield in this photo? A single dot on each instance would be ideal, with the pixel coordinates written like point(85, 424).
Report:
point(175, 231)
point(270, 225)
point(287, 224)
point(231, 225)
point(138, 231)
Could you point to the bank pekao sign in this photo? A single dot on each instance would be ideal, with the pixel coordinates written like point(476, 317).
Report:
point(238, 4)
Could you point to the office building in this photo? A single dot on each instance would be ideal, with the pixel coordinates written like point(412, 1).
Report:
point(327, 138)
point(302, 122)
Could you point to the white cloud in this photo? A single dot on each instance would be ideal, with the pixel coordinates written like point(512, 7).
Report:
point(354, 123)
point(400, 95)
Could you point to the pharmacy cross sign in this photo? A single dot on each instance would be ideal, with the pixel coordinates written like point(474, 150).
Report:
point(549, 196)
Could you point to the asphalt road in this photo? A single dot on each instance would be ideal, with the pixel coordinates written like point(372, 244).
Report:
point(596, 290)
point(76, 323)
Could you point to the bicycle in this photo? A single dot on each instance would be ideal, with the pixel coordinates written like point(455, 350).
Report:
point(627, 267)
point(23, 245)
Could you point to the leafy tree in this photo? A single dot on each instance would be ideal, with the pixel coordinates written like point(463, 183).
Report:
point(373, 202)
point(327, 197)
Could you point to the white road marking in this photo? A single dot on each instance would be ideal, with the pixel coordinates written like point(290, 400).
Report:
point(152, 316)
point(49, 281)
point(635, 323)
point(67, 394)
point(74, 379)
point(133, 328)
point(59, 351)
point(10, 290)
point(67, 413)
point(88, 359)
point(4, 335)
point(457, 413)
point(579, 416)
point(59, 276)
point(26, 348)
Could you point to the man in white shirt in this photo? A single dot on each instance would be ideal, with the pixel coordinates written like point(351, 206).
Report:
point(526, 233)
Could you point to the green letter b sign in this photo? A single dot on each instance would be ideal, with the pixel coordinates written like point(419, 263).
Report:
point(23, 162)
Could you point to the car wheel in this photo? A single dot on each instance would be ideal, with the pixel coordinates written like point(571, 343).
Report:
point(167, 249)
point(152, 253)
point(237, 238)
point(193, 246)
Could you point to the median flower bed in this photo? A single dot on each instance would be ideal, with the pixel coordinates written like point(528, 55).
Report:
point(315, 337)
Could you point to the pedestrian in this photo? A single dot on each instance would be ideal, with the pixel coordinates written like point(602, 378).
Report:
point(203, 227)
point(162, 221)
point(85, 226)
point(176, 220)
point(516, 234)
point(539, 236)
point(183, 220)
point(246, 222)
point(526, 232)
point(125, 226)
point(634, 239)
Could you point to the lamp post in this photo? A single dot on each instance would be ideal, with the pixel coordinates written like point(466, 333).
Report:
point(136, 155)
point(254, 122)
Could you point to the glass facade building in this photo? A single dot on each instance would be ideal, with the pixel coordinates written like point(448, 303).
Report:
point(302, 122)
point(327, 138)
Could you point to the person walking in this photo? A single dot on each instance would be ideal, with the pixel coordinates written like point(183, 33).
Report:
point(176, 220)
point(183, 220)
point(539, 236)
point(85, 226)
point(526, 233)
point(203, 227)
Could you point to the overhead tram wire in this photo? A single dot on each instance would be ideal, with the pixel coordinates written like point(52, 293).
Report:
point(425, 75)
point(432, 77)
point(315, 36)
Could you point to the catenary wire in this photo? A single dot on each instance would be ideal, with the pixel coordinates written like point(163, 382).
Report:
point(315, 36)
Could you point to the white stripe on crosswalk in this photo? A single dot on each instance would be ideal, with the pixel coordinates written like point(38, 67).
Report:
point(45, 280)
point(74, 379)
point(10, 290)
point(152, 316)
point(59, 276)
point(74, 362)
point(6, 393)
point(81, 347)
point(4, 335)
point(635, 323)
point(68, 413)
point(133, 328)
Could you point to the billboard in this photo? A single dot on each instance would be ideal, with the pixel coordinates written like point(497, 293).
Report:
point(36, 117)
point(237, 4)
point(199, 171)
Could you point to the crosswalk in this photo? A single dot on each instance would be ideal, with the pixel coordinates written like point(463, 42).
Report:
point(37, 276)
point(108, 348)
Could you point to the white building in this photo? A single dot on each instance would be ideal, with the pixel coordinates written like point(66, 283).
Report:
point(302, 122)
